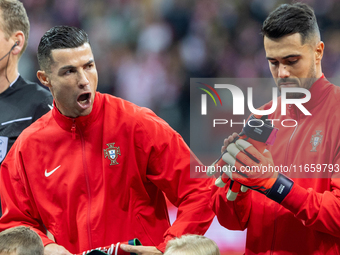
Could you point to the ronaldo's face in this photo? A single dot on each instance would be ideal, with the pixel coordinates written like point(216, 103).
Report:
point(73, 80)
point(291, 63)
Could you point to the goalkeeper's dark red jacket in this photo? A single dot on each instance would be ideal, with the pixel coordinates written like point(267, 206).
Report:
point(308, 219)
point(99, 179)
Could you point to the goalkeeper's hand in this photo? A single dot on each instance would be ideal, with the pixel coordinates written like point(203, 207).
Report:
point(250, 171)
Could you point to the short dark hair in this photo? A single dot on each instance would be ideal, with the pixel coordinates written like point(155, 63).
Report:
point(59, 37)
point(14, 18)
point(290, 19)
point(21, 240)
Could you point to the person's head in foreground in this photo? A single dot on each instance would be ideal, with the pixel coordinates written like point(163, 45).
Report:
point(20, 241)
point(14, 27)
point(14, 30)
point(293, 47)
point(67, 68)
point(192, 245)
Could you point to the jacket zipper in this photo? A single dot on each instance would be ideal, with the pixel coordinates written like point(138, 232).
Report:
point(285, 162)
point(73, 130)
point(290, 139)
point(88, 220)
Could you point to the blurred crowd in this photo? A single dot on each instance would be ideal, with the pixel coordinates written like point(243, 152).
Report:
point(146, 51)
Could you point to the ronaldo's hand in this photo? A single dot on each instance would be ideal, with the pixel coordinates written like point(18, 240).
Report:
point(55, 249)
point(256, 171)
point(141, 250)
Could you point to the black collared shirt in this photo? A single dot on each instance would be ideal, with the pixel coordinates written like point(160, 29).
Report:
point(20, 105)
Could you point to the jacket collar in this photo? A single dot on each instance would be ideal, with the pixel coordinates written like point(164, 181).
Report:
point(81, 122)
point(319, 91)
point(19, 81)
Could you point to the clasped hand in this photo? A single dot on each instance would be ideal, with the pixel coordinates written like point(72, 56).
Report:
point(249, 167)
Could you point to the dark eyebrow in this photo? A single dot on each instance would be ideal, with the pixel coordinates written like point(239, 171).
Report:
point(285, 57)
point(292, 56)
point(66, 67)
point(89, 62)
point(72, 67)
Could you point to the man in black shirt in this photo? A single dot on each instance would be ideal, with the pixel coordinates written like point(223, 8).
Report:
point(21, 102)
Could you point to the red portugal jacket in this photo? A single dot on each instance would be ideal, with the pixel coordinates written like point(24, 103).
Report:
point(100, 179)
point(308, 220)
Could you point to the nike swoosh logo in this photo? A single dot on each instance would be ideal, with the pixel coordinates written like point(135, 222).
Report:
point(50, 106)
point(47, 174)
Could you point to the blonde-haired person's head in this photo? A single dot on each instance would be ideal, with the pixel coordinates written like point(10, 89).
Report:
point(20, 241)
point(13, 18)
point(192, 245)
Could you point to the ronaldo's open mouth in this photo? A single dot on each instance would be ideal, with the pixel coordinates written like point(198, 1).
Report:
point(84, 100)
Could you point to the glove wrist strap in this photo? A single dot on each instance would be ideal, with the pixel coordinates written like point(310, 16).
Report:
point(280, 189)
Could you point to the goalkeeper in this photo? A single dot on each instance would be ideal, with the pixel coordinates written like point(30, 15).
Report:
point(296, 212)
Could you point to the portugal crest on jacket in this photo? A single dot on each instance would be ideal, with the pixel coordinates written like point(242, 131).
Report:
point(112, 153)
point(316, 140)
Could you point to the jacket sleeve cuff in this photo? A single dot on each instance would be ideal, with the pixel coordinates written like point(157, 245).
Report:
point(280, 189)
point(46, 241)
point(295, 198)
point(161, 247)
